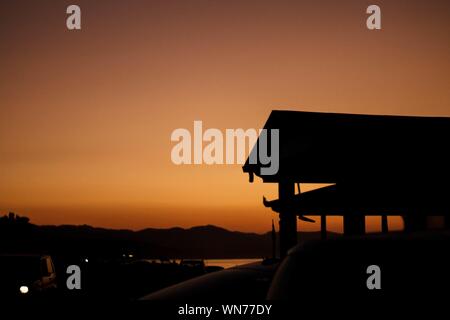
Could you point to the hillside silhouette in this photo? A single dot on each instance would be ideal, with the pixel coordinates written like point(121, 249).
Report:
point(17, 234)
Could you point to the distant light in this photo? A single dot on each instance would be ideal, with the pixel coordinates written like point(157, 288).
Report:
point(23, 289)
point(86, 260)
point(130, 256)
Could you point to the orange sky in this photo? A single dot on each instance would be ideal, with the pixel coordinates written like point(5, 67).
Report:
point(86, 116)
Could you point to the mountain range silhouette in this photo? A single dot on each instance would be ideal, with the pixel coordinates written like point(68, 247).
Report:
point(207, 241)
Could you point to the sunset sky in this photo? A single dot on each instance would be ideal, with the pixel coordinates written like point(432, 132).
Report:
point(86, 116)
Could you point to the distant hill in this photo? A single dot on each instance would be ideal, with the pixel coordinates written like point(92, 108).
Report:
point(215, 242)
point(197, 242)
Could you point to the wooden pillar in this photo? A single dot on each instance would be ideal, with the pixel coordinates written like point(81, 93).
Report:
point(274, 241)
point(354, 224)
point(414, 222)
point(384, 224)
point(435, 222)
point(288, 220)
point(323, 226)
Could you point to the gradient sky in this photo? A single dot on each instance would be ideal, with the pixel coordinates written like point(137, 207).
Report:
point(86, 116)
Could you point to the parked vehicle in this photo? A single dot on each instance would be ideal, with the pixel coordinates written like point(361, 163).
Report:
point(23, 276)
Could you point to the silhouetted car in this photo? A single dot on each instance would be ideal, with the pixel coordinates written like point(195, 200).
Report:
point(22, 276)
point(245, 282)
point(411, 265)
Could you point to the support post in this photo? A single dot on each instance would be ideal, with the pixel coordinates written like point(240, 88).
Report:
point(274, 242)
point(414, 222)
point(323, 226)
point(354, 224)
point(384, 224)
point(288, 220)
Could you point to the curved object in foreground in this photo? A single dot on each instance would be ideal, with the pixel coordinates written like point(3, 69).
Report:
point(250, 281)
point(411, 265)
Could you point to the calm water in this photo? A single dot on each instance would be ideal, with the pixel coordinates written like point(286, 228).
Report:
point(228, 263)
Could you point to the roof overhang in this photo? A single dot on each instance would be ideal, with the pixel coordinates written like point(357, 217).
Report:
point(330, 148)
point(365, 200)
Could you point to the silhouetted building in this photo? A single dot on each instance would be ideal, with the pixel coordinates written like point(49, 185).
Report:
point(378, 165)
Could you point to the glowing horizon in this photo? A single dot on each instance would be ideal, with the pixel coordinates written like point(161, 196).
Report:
point(86, 116)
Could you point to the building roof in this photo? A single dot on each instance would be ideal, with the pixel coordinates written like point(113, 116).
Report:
point(352, 148)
